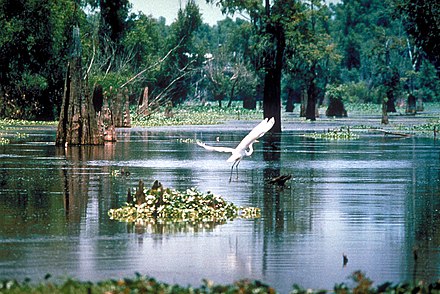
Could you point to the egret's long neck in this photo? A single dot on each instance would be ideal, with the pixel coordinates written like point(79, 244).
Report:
point(251, 150)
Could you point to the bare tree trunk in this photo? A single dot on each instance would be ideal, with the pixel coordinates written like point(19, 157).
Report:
point(384, 111)
point(77, 124)
point(411, 104)
point(311, 102)
point(311, 96)
point(126, 115)
point(272, 97)
point(303, 104)
point(143, 103)
point(272, 79)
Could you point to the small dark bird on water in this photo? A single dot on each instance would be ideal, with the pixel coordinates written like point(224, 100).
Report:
point(344, 259)
point(415, 252)
point(280, 180)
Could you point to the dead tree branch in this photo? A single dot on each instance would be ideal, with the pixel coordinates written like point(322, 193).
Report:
point(151, 66)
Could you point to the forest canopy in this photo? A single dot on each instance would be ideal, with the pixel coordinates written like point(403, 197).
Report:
point(283, 52)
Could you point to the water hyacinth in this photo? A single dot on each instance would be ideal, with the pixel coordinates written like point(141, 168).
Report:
point(195, 114)
point(336, 134)
point(4, 141)
point(168, 205)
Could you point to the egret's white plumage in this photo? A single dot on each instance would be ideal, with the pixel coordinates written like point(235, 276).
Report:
point(245, 148)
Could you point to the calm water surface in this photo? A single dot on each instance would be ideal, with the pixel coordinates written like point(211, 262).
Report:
point(374, 199)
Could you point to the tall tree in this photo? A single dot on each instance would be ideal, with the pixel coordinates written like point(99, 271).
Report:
point(114, 14)
point(373, 47)
point(269, 19)
point(422, 21)
point(33, 46)
point(309, 53)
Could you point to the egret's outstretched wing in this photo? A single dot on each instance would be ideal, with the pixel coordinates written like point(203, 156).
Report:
point(215, 148)
point(257, 132)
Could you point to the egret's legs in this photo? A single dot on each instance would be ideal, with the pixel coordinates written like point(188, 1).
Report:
point(236, 167)
point(232, 169)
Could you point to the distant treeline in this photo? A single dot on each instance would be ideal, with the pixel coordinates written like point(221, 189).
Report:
point(356, 51)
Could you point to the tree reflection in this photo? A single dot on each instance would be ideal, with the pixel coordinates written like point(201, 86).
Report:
point(423, 222)
point(273, 212)
point(142, 227)
point(82, 182)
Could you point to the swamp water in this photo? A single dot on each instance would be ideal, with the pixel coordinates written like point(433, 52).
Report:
point(374, 199)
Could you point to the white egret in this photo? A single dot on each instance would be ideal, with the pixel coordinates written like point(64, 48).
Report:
point(245, 147)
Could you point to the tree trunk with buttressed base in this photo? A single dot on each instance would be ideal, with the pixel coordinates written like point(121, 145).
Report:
point(77, 124)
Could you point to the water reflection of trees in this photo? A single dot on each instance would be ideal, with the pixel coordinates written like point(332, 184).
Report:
point(423, 219)
point(27, 187)
point(82, 182)
point(285, 209)
point(141, 227)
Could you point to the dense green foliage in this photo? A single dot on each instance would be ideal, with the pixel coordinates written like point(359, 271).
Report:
point(289, 49)
point(33, 48)
point(422, 21)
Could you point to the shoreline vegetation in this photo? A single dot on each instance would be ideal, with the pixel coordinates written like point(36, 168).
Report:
point(143, 284)
point(361, 116)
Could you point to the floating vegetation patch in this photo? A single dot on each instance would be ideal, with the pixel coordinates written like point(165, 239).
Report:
point(164, 205)
point(7, 123)
point(19, 135)
point(335, 134)
point(4, 141)
point(429, 129)
point(187, 140)
point(363, 108)
point(194, 115)
point(13, 124)
point(119, 172)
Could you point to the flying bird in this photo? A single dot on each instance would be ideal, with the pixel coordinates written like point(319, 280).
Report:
point(245, 148)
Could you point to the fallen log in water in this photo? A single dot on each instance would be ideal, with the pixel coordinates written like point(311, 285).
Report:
point(392, 133)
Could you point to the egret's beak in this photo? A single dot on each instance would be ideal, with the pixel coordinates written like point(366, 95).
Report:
point(256, 141)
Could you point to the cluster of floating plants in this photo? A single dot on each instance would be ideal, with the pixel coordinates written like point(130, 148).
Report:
point(6, 123)
point(429, 129)
point(195, 115)
point(19, 135)
point(164, 205)
point(4, 141)
point(119, 172)
point(187, 140)
point(335, 134)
